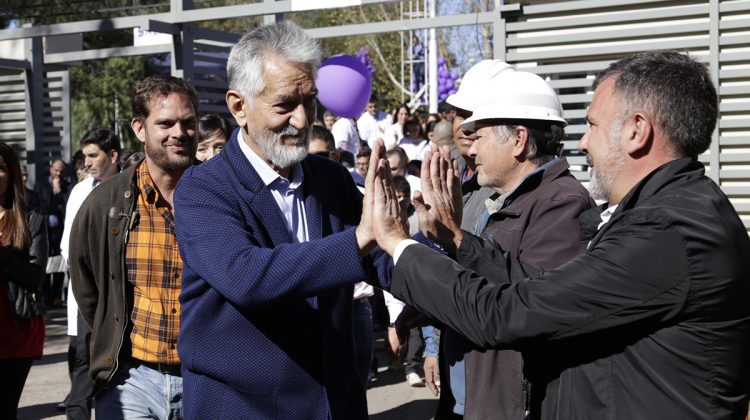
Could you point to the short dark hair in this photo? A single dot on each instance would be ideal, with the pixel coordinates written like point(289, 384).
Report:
point(676, 89)
point(365, 152)
point(130, 157)
point(346, 158)
point(413, 121)
point(159, 85)
point(402, 185)
point(209, 124)
point(324, 134)
point(104, 139)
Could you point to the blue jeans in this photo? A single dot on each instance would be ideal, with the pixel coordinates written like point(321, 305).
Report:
point(141, 393)
point(362, 332)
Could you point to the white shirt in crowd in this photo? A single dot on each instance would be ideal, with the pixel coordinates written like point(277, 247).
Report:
point(414, 148)
point(372, 127)
point(392, 135)
point(345, 134)
point(75, 200)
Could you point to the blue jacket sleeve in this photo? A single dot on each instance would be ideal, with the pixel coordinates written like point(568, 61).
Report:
point(223, 248)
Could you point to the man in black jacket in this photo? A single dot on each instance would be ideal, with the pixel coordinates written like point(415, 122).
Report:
point(651, 322)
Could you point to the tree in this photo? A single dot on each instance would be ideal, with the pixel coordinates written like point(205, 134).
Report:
point(96, 84)
point(385, 49)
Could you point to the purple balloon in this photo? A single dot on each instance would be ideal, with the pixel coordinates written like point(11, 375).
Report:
point(344, 85)
point(449, 84)
point(441, 60)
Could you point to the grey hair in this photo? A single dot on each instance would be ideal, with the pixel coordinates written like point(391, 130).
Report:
point(676, 89)
point(283, 39)
point(542, 140)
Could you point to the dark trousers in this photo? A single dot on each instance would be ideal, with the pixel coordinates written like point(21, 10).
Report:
point(81, 385)
point(14, 372)
point(413, 359)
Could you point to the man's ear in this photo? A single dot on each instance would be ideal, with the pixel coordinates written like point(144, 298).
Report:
point(639, 134)
point(519, 138)
point(114, 156)
point(138, 129)
point(236, 105)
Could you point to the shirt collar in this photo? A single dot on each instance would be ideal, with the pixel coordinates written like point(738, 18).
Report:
point(606, 215)
point(266, 173)
point(146, 184)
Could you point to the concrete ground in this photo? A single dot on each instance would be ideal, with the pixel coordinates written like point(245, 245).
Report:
point(389, 398)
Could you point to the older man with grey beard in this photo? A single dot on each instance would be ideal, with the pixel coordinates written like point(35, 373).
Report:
point(272, 250)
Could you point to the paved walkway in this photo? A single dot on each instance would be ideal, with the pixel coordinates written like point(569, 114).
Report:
point(390, 398)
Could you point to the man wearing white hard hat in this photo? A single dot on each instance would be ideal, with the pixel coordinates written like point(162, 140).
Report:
point(517, 128)
point(471, 90)
point(651, 321)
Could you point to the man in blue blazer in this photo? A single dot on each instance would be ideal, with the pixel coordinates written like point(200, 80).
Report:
point(272, 247)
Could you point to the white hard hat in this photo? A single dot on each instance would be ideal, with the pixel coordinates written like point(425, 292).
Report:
point(473, 85)
point(517, 95)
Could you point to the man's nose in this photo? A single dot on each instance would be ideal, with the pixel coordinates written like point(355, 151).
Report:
point(299, 117)
point(583, 143)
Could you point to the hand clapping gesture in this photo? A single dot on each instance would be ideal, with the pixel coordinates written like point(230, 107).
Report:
point(440, 204)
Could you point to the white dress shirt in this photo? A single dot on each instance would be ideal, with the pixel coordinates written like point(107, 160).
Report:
point(373, 127)
point(345, 134)
point(75, 200)
point(288, 195)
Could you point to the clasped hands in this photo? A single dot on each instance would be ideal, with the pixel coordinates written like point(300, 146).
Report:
point(439, 205)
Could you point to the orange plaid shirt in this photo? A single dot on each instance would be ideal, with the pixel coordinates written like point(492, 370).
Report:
point(154, 267)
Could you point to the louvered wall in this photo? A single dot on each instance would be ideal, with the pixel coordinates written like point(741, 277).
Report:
point(568, 42)
point(55, 119)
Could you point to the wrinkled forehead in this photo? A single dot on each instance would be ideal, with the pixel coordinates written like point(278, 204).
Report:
point(286, 78)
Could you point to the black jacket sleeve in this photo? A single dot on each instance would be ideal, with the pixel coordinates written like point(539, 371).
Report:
point(27, 270)
point(616, 283)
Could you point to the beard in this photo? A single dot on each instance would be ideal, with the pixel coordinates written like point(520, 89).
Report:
point(283, 155)
point(170, 162)
point(603, 174)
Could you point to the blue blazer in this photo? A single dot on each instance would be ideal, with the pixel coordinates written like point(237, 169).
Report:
point(266, 324)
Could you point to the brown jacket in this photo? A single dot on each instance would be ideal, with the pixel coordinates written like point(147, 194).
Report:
point(540, 226)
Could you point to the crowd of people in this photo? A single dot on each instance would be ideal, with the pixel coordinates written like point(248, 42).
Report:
point(238, 270)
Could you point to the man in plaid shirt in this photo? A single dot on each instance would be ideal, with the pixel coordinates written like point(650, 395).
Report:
point(126, 262)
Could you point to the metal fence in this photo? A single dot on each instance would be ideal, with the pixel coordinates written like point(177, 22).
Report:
point(567, 42)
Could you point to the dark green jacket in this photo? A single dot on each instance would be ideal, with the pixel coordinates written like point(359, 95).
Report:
point(97, 265)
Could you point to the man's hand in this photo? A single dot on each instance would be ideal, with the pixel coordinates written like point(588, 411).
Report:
point(364, 232)
point(440, 204)
point(431, 374)
point(397, 348)
point(390, 223)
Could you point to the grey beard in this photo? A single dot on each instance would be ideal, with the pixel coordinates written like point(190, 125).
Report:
point(283, 156)
point(600, 185)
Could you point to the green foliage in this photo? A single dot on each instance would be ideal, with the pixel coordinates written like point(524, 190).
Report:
point(95, 85)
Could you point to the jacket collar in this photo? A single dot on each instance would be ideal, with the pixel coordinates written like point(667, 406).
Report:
point(677, 170)
point(660, 178)
point(243, 170)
